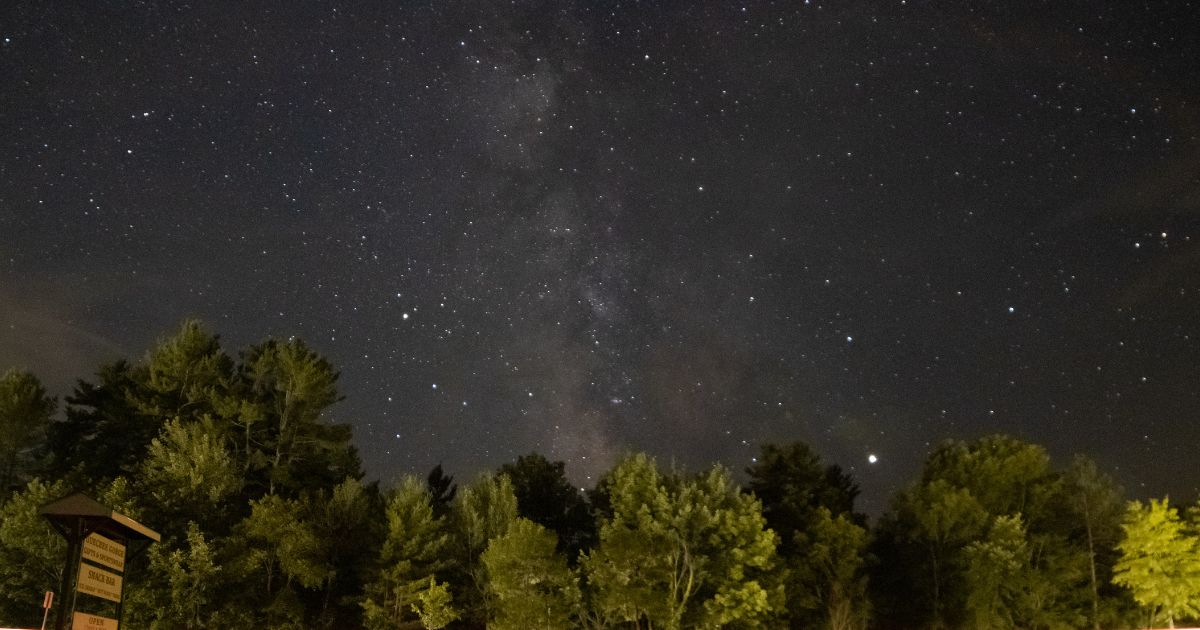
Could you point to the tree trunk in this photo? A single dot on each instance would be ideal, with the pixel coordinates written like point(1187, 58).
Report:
point(937, 584)
point(1092, 566)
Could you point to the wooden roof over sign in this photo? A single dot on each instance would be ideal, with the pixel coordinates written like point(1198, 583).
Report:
point(79, 505)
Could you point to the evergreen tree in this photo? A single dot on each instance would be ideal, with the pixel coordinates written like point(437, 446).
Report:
point(103, 434)
point(435, 606)
point(545, 497)
point(183, 375)
point(482, 511)
point(792, 484)
point(416, 549)
point(25, 413)
point(345, 520)
point(806, 502)
point(292, 386)
point(442, 490)
point(190, 476)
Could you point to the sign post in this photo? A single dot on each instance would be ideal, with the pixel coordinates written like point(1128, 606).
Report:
point(97, 538)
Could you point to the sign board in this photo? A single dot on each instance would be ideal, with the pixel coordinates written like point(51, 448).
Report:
point(84, 621)
point(104, 551)
point(76, 518)
point(98, 582)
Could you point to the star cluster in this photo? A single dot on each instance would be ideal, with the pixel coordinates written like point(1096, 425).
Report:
point(584, 228)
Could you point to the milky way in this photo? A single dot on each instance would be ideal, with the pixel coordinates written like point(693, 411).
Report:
point(586, 228)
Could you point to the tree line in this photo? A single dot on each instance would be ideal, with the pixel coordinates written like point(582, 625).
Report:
point(267, 522)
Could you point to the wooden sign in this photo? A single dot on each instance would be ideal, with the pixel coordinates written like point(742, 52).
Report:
point(98, 582)
point(104, 551)
point(84, 621)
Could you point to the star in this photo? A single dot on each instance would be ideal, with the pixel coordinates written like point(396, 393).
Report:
point(543, 202)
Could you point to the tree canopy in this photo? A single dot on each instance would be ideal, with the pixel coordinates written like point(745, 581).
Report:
point(267, 522)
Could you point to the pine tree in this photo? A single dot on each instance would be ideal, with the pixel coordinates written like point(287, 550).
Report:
point(415, 550)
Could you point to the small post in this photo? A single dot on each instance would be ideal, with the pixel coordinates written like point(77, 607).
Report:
point(47, 602)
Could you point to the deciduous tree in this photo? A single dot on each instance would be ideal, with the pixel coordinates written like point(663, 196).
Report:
point(32, 554)
point(681, 552)
point(1160, 561)
point(529, 581)
point(828, 574)
point(1095, 505)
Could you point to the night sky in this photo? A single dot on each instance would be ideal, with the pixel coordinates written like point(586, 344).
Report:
point(588, 227)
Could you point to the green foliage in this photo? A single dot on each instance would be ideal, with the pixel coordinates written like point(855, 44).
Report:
point(189, 473)
point(442, 488)
point(1096, 509)
point(1160, 561)
point(266, 523)
point(434, 606)
point(283, 545)
point(986, 539)
point(25, 411)
point(415, 549)
point(104, 434)
point(346, 520)
point(828, 574)
point(1002, 474)
point(292, 387)
point(546, 497)
point(530, 583)
point(188, 435)
point(810, 507)
point(681, 552)
point(31, 553)
point(792, 484)
point(183, 374)
point(190, 574)
point(939, 519)
point(993, 570)
point(267, 410)
point(482, 511)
